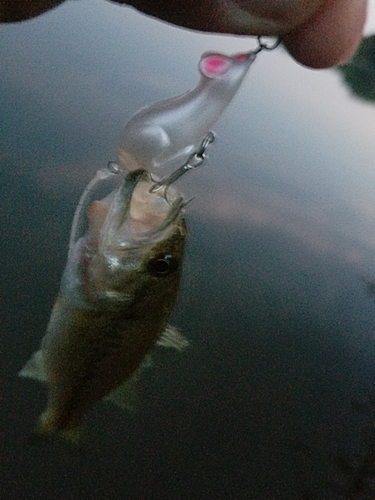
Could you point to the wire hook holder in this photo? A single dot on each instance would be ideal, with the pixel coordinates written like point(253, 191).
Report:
point(194, 161)
point(265, 46)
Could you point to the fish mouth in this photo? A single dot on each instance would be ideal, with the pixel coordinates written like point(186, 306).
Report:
point(138, 214)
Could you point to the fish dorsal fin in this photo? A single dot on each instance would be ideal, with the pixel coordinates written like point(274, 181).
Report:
point(34, 368)
point(171, 337)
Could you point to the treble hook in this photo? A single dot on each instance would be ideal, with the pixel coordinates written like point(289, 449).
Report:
point(194, 161)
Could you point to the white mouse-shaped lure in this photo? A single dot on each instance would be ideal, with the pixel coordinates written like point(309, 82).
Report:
point(168, 132)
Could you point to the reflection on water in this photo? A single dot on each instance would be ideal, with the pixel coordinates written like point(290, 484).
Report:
point(272, 299)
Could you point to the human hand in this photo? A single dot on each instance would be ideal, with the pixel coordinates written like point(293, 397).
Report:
point(317, 33)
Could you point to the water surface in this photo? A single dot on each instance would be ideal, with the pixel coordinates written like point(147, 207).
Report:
point(272, 298)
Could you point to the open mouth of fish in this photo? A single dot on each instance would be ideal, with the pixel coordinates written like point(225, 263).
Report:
point(139, 214)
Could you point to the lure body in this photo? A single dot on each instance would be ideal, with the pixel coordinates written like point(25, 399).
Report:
point(117, 293)
point(168, 132)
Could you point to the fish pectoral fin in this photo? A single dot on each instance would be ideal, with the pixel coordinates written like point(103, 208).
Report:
point(34, 368)
point(171, 337)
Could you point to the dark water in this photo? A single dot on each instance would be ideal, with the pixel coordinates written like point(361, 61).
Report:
point(272, 298)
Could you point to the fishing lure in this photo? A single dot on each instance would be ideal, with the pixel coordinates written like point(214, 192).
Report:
point(169, 132)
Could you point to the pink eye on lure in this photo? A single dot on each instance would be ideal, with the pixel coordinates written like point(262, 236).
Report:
point(215, 65)
point(242, 57)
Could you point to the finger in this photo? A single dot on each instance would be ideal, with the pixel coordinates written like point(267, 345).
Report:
point(331, 36)
point(240, 17)
point(318, 33)
point(12, 11)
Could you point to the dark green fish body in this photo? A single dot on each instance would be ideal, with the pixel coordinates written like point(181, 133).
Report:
point(117, 293)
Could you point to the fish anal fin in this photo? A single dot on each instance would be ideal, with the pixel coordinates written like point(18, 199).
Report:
point(34, 368)
point(125, 395)
point(171, 337)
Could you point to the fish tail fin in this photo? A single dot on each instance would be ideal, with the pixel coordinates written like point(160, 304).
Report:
point(45, 430)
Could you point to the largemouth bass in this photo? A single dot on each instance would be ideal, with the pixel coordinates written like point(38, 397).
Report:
point(116, 295)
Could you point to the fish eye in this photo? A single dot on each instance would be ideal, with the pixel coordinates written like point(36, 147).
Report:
point(163, 265)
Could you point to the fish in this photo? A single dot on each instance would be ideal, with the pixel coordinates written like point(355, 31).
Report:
point(116, 295)
point(166, 133)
